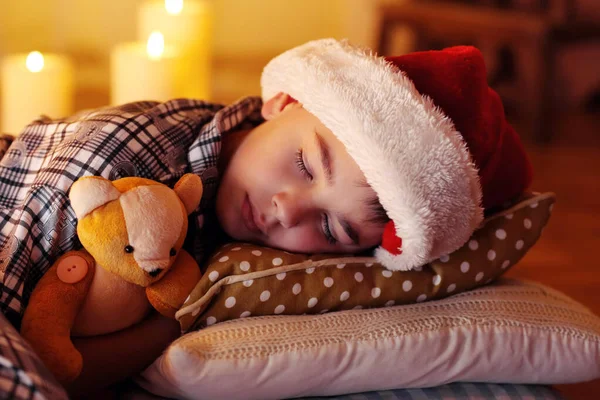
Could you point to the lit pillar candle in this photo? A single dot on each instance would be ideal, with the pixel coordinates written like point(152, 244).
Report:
point(150, 71)
point(186, 24)
point(35, 84)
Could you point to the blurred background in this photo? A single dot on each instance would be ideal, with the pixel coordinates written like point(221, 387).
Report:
point(543, 57)
point(245, 35)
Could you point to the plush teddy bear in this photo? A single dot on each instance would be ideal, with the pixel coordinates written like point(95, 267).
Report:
point(132, 231)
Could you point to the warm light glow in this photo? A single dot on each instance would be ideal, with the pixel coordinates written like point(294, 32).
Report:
point(35, 61)
point(174, 7)
point(156, 45)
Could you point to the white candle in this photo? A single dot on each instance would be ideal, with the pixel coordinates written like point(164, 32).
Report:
point(187, 25)
point(35, 84)
point(150, 71)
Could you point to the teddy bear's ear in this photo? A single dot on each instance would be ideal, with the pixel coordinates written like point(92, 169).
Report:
point(91, 192)
point(189, 190)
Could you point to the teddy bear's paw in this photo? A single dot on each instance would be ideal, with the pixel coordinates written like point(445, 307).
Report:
point(66, 365)
point(51, 312)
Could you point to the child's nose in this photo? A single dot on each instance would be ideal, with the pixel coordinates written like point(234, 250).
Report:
point(290, 208)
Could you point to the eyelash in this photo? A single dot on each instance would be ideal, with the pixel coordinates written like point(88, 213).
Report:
point(324, 220)
point(326, 230)
point(301, 165)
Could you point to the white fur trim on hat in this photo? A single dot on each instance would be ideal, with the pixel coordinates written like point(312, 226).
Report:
point(409, 151)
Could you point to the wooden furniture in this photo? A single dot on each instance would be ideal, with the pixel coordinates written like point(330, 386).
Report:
point(533, 37)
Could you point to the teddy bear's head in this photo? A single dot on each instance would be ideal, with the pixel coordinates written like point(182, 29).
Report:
point(134, 227)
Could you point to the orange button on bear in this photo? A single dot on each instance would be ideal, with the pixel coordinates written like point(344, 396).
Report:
point(72, 269)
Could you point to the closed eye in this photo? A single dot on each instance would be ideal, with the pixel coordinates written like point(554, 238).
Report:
point(302, 165)
point(327, 230)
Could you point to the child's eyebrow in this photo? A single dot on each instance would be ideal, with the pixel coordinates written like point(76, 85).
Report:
point(325, 157)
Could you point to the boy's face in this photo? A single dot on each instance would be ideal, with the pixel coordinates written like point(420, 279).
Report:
point(291, 184)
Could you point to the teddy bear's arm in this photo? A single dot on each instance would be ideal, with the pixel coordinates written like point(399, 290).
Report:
point(52, 308)
point(169, 293)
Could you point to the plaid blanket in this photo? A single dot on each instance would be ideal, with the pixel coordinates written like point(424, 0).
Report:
point(159, 141)
point(22, 374)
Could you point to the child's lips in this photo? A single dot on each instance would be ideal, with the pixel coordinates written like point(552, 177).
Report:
point(250, 217)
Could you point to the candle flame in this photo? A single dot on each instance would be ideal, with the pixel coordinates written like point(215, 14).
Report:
point(156, 45)
point(35, 61)
point(174, 7)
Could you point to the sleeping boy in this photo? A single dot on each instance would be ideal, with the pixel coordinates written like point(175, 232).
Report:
point(348, 152)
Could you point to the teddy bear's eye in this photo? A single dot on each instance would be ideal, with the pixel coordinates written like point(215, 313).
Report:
point(172, 252)
point(128, 249)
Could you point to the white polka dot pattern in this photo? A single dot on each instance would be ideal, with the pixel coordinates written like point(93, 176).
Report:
point(230, 302)
point(213, 276)
point(245, 266)
point(279, 309)
point(464, 267)
point(277, 261)
point(265, 295)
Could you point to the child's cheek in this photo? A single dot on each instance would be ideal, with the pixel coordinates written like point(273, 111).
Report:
point(302, 240)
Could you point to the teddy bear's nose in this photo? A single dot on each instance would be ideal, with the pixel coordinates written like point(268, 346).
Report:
point(151, 265)
point(154, 273)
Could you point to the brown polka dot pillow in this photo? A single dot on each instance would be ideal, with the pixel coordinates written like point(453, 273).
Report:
point(244, 280)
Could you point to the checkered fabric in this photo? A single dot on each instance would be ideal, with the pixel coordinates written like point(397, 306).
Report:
point(22, 374)
point(160, 141)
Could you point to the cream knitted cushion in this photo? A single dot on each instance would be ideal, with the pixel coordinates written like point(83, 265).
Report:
point(511, 332)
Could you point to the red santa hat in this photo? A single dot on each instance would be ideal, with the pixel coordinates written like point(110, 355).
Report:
point(426, 130)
